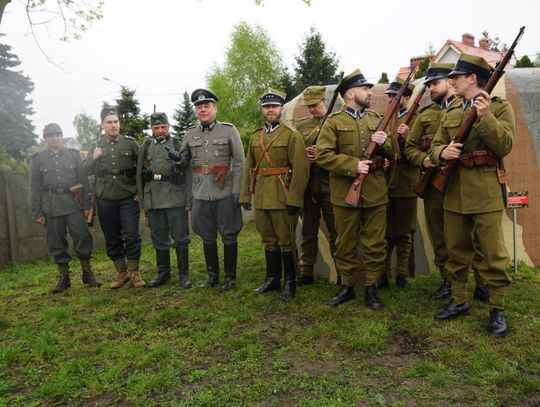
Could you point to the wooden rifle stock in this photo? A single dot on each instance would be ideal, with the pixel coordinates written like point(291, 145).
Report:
point(92, 211)
point(354, 195)
point(441, 182)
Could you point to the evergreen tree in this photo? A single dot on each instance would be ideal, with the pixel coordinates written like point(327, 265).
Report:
point(132, 123)
point(184, 117)
point(315, 65)
point(286, 84)
point(88, 130)
point(384, 78)
point(524, 62)
point(16, 129)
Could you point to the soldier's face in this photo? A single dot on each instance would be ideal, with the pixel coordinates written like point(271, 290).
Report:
point(272, 113)
point(54, 141)
point(361, 96)
point(160, 131)
point(438, 89)
point(111, 126)
point(463, 83)
point(318, 109)
point(206, 112)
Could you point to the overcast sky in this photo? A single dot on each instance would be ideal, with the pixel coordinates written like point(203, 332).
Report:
point(161, 48)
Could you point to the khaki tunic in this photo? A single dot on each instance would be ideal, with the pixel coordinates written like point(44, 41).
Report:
point(473, 200)
point(341, 144)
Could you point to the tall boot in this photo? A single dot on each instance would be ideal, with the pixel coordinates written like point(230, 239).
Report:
point(134, 276)
point(230, 254)
point(88, 276)
point(122, 275)
point(272, 281)
point(63, 279)
point(182, 256)
point(289, 268)
point(163, 260)
point(372, 297)
point(212, 265)
point(445, 289)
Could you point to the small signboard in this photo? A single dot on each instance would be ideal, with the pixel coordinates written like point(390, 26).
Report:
point(518, 200)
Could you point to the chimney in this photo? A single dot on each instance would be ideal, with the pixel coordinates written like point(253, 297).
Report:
point(484, 43)
point(468, 39)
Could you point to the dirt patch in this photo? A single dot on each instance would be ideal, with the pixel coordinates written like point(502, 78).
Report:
point(405, 343)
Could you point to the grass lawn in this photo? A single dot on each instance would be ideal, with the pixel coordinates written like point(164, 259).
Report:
point(170, 346)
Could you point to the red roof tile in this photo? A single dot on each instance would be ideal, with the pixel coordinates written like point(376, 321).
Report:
point(491, 57)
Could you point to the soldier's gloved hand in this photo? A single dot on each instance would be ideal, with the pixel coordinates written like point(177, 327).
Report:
point(246, 206)
point(292, 210)
point(173, 154)
point(235, 199)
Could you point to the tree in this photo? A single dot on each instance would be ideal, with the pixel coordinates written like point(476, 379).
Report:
point(88, 129)
point(131, 122)
point(16, 129)
point(494, 43)
point(315, 65)
point(184, 116)
point(384, 78)
point(252, 64)
point(286, 84)
point(423, 67)
point(524, 62)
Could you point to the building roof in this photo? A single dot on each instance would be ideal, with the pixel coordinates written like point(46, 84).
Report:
point(491, 57)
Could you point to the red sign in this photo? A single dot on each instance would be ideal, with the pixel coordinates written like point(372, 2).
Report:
point(518, 200)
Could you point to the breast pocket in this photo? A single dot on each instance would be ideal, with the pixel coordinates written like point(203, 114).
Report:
point(347, 139)
point(195, 148)
point(126, 158)
point(221, 148)
point(451, 126)
point(279, 151)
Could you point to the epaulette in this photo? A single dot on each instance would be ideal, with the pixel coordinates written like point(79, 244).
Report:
point(374, 112)
point(191, 127)
point(227, 124)
point(130, 138)
point(303, 119)
point(426, 107)
point(335, 113)
point(257, 130)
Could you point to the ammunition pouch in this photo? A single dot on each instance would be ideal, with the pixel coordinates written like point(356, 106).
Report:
point(425, 142)
point(377, 163)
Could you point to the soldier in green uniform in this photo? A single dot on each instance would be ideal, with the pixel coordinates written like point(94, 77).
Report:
point(216, 155)
point(276, 173)
point(59, 197)
point(473, 202)
point(317, 195)
point(416, 150)
point(401, 177)
point(163, 196)
point(113, 161)
point(340, 147)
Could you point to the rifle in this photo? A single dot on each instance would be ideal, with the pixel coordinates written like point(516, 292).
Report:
point(441, 182)
point(354, 197)
point(411, 112)
point(92, 180)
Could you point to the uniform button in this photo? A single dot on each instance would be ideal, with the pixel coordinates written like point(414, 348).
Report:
point(114, 176)
point(113, 163)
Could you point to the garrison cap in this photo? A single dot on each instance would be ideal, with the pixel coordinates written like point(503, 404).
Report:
point(158, 118)
point(108, 111)
point(353, 80)
point(203, 96)
point(438, 70)
point(468, 64)
point(313, 95)
point(395, 86)
point(273, 97)
point(51, 129)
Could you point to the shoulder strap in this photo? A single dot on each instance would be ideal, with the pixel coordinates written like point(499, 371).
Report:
point(264, 149)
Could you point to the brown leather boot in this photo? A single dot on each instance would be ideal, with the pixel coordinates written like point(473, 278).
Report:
point(122, 276)
point(63, 279)
point(134, 276)
point(88, 276)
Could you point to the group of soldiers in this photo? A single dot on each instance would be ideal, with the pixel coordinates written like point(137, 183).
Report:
point(290, 172)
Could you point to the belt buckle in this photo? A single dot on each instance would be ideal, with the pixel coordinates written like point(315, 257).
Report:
point(157, 177)
point(204, 168)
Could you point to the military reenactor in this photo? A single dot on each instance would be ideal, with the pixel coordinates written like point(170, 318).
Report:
point(317, 195)
point(417, 145)
point(276, 174)
point(164, 196)
point(401, 177)
point(340, 147)
point(60, 201)
point(473, 202)
point(215, 153)
point(113, 161)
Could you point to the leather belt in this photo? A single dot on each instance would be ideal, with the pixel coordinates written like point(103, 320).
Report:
point(478, 158)
point(274, 170)
point(56, 190)
point(129, 172)
point(211, 168)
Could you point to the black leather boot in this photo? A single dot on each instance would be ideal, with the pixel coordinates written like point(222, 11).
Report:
point(212, 265)
point(182, 257)
point(372, 297)
point(289, 270)
point(497, 324)
point(444, 291)
point(401, 281)
point(230, 256)
point(163, 260)
point(272, 281)
point(64, 281)
point(482, 293)
point(452, 310)
point(344, 294)
point(382, 281)
point(305, 279)
point(88, 276)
